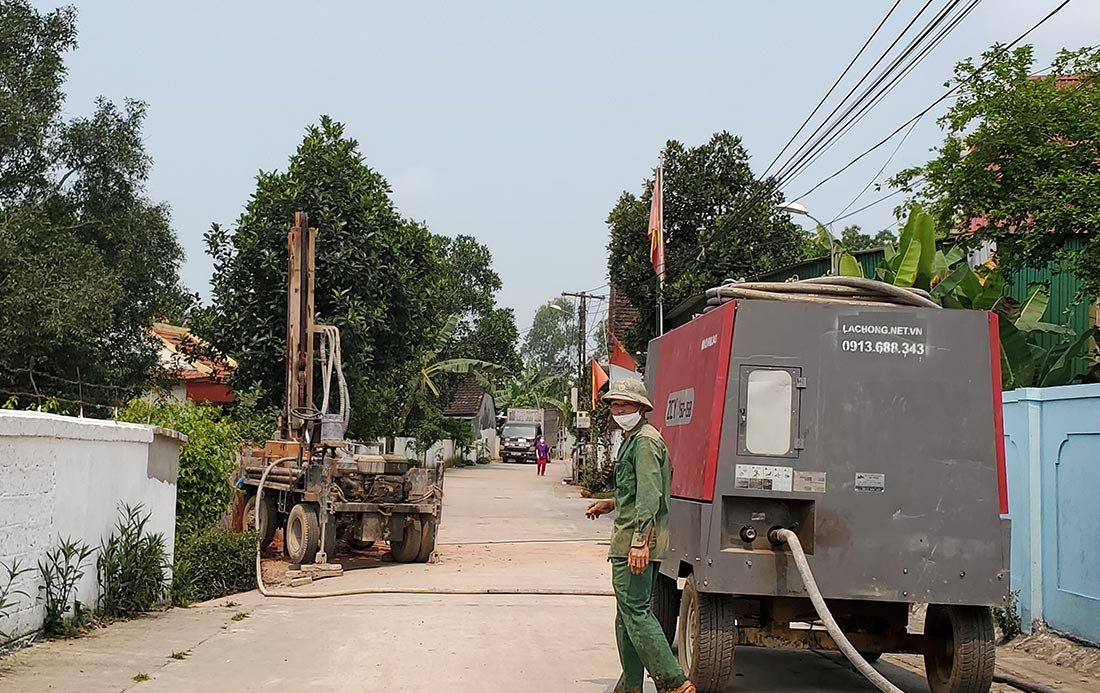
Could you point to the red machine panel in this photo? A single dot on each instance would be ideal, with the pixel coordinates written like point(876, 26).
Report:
point(689, 398)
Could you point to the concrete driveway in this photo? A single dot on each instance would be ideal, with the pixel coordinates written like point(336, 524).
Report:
point(503, 528)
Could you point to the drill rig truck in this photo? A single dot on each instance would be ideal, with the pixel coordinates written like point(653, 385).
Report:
point(320, 487)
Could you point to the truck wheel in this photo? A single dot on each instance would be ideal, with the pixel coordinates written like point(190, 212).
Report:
point(303, 532)
point(963, 660)
point(427, 538)
point(707, 638)
point(666, 605)
point(265, 521)
point(408, 549)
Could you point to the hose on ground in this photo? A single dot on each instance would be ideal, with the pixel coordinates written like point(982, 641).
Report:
point(391, 590)
point(1021, 684)
point(789, 538)
point(844, 290)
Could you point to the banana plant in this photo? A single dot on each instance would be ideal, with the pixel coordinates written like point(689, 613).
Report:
point(431, 367)
point(951, 281)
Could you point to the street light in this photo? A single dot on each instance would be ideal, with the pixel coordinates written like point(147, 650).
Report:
point(799, 208)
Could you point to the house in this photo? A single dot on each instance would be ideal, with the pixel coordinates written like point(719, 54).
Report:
point(472, 403)
point(188, 369)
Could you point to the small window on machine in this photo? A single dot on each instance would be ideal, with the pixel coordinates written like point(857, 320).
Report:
point(768, 411)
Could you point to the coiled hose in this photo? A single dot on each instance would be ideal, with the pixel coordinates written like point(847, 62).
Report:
point(845, 290)
point(389, 590)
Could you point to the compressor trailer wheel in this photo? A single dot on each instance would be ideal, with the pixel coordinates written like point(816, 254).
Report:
point(708, 635)
point(964, 659)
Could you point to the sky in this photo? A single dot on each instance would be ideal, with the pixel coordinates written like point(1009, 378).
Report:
point(519, 123)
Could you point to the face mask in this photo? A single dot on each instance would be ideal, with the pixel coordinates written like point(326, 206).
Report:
point(627, 422)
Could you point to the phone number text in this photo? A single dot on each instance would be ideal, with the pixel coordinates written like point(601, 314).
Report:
point(871, 346)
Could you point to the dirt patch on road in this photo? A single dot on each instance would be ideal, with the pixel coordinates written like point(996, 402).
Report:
point(1053, 648)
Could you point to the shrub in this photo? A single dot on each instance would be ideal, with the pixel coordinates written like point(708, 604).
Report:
point(8, 575)
point(132, 567)
point(483, 460)
point(61, 570)
point(213, 563)
point(596, 477)
point(1007, 618)
point(206, 461)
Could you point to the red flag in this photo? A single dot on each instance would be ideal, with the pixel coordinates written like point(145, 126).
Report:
point(656, 227)
point(621, 357)
point(599, 379)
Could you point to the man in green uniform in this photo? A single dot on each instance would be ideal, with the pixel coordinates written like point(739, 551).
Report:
point(639, 540)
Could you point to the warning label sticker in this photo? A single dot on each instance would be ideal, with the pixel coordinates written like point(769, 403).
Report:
point(761, 477)
point(809, 482)
point(870, 482)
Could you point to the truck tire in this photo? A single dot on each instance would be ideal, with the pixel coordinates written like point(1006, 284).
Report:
point(408, 548)
point(964, 662)
point(263, 521)
point(427, 538)
point(303, 532)
point(708, 635)
point(666, 605)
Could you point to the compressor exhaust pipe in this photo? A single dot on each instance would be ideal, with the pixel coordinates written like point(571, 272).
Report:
point(779, 536)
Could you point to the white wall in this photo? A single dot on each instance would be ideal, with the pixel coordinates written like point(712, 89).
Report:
point(67, 477)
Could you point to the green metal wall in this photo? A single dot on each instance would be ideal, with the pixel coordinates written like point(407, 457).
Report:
point(1063, 308)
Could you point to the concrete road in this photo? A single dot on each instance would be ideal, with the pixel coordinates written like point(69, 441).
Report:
point(416, 643)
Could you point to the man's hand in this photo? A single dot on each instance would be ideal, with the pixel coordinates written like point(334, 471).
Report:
point(599, 507)
point(638, 560)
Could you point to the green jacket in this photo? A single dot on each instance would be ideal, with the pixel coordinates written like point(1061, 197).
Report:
point(643, 476)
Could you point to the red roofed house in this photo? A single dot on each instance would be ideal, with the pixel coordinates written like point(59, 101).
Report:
point(192, 376)
point(472, 403)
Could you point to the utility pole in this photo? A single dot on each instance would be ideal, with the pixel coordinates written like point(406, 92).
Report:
point(582, 333)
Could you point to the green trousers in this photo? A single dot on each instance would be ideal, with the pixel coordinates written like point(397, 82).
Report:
point(642, 643)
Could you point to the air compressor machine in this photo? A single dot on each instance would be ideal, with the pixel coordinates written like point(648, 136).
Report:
point(862, 437)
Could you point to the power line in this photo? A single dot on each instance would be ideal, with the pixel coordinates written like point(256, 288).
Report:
point(876, 92)
point(832, 88)
point(875, 177)
point(938, 101)
point(798, 155)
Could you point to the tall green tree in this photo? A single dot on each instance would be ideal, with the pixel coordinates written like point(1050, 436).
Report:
point(1018, 166)
point(550, 346)
point(720, 222)
point(87, 261)
point(384, 281)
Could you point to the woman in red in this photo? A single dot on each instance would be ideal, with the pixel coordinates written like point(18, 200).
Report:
point(542, 455)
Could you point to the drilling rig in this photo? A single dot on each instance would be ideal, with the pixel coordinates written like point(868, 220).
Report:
point(321, 487)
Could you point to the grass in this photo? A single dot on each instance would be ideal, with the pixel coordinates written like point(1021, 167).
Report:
point(141, 676)
point(180, 655)
point(240, 616)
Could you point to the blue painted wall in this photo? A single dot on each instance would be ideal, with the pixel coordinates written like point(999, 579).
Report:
point(1052, 452)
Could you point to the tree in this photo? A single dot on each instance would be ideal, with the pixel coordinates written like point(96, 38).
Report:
point(384, 281)
point(376, 277)
point(550, 346)
point(1018, 165)
point(720, 222)
point(852, 239)
point(87, 261)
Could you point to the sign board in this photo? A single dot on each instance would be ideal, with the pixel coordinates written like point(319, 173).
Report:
point(584, 420)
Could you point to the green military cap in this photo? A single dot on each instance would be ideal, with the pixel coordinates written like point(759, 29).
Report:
point(628, 390)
